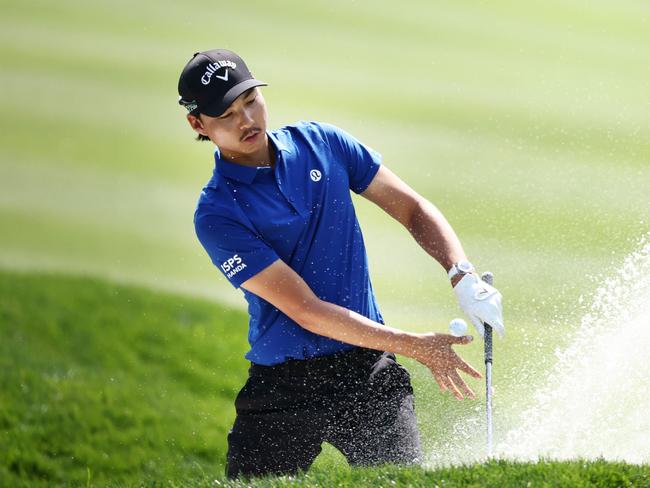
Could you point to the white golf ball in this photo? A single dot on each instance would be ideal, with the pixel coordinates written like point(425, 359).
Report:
point(458, 327)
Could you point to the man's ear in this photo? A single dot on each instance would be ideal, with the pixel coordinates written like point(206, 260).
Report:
point(196, 124)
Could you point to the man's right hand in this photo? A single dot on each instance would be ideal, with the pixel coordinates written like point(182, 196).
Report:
point(435, 352)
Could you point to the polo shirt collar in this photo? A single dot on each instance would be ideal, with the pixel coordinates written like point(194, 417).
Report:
point(279, 143)
point(244, 174)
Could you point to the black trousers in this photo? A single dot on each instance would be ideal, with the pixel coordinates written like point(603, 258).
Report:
point(360, 401)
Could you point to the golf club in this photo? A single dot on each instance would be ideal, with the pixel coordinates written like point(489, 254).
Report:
point(489, 279)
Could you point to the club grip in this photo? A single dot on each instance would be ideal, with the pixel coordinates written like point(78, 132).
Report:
point(488, 277)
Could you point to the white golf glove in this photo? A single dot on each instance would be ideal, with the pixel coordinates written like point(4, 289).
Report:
point(481, 302)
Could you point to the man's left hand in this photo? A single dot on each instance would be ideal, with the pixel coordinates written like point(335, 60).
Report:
point(481, 302)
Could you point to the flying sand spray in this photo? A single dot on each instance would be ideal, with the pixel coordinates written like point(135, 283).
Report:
point(588, 398)
point(595, 400)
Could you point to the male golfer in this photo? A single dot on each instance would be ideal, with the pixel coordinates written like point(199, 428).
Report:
point(277, 219)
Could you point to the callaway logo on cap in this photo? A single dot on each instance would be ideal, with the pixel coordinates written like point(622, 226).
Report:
point(212, 69)
point(212, 80)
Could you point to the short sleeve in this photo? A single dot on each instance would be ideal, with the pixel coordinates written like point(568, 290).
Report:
point(362, 162)
point(233, 248)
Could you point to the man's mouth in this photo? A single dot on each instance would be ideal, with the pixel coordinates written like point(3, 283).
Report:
point(250, 135)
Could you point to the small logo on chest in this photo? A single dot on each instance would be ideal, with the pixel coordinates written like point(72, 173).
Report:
point(315, 175)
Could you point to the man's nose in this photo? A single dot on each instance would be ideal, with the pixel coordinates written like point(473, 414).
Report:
point(246, 118)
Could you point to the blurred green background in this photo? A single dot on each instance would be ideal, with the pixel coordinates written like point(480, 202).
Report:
point(527, 124)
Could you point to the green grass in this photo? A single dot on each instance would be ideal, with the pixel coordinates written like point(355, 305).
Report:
point(118, 381)
point(105, 385)
point(493, 474)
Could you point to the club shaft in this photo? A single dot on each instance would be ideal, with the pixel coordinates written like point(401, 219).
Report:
point(489, 279)
point(488, 386)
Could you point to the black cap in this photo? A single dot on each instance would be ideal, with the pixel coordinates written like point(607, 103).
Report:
point(212, 80)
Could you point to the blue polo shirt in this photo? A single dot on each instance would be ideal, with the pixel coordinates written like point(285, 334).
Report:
point(299, 211)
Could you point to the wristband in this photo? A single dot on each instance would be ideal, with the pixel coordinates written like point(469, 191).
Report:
point(461, 267)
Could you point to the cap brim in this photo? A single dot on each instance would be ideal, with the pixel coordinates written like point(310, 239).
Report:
point(218, 108)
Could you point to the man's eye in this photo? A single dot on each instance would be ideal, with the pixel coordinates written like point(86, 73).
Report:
point(251, 100)
point(226, 116)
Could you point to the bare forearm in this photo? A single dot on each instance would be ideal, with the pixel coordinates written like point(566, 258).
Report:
point(435, 235)
point(336, 322)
